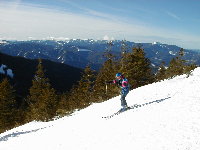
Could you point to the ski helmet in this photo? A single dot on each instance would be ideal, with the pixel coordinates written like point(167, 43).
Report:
point(118, 75)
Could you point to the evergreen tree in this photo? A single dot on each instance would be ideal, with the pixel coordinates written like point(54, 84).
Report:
point(124, 54)
point(106, 73)
point(64, 106)
point(42, 99)
point(7, 106)
point(176, 65)
point(138, 68)
point(161, 74)
point(86, 84)
point(189, 68)
point(80, 95)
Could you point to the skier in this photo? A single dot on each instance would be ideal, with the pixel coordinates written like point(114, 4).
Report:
point(122, 82)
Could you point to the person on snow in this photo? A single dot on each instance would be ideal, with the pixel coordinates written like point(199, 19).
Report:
point(122, 82)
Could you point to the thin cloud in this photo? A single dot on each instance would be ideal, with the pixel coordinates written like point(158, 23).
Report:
point(173, 15)
point(91, 12)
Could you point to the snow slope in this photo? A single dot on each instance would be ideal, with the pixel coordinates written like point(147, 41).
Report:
point(168, 119)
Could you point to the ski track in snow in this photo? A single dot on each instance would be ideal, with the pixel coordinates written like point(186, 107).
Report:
point(168, 119)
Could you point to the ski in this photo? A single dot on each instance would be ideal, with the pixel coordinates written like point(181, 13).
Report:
point(121, 111)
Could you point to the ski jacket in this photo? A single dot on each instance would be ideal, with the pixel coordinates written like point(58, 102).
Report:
point(122, 83)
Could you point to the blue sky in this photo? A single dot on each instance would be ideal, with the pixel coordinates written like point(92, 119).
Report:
point(174, 22)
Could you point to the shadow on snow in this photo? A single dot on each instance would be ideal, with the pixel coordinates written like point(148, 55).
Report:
point(16, 134)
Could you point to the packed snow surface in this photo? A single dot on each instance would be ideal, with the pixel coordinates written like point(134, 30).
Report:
point(168, 119)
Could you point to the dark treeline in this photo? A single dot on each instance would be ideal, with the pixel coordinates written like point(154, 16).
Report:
point(43, 103)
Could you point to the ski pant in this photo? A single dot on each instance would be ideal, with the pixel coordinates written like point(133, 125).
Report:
point(124, 92)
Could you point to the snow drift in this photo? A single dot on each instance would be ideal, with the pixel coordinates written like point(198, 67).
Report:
point(168, 119)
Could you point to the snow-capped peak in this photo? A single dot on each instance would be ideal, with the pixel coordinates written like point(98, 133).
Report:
point(156, 43)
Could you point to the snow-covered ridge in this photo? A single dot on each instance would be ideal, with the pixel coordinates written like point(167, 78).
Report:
point(3, 42)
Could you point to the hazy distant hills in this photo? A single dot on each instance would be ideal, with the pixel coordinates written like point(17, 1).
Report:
point(79, 53)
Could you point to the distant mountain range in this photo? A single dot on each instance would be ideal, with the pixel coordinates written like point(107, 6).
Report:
point(79, 53)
